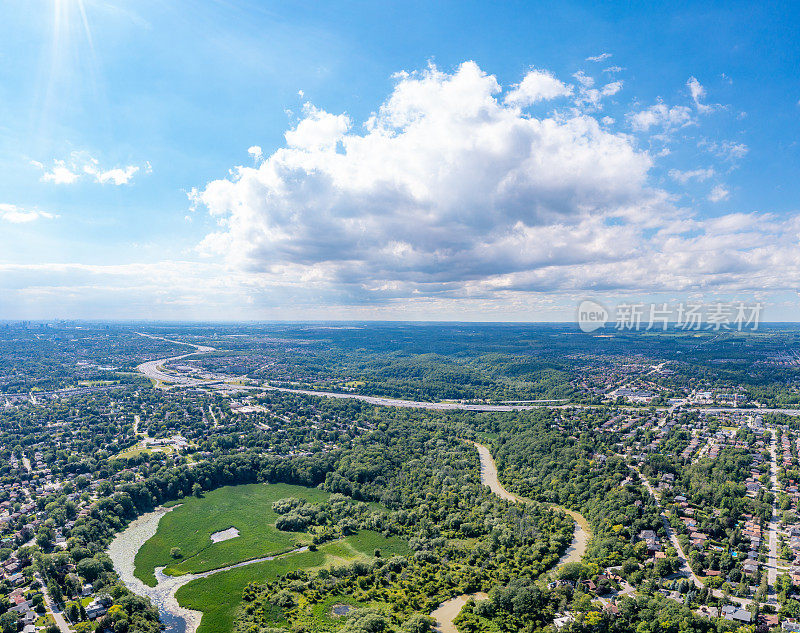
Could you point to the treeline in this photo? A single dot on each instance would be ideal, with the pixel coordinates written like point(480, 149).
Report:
point(129, 500)
point(544, 457)
point(463, 538)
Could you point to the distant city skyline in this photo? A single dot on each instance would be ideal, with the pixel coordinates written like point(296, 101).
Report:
point(465, 161)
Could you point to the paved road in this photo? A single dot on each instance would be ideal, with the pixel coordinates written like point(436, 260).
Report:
point(60, 621)
point(739, 410)
point(213, 416)
point(154, 370)
point(772, 558)
point(673, 538)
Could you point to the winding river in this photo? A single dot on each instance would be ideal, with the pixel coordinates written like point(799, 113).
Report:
point(582, 533)
point(448, 610)
point(122, 551)
point(180, 620)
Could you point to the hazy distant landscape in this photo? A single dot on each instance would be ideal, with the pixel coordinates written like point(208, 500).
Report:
point(321, 476)
point(399, 317)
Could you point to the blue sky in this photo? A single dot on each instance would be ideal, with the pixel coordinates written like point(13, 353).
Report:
point(123, 127)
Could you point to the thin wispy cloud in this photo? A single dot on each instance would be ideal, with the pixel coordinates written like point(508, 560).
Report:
point(698, 93)
point(81, 165)
point(589, 95)
point(16, 215)
point(719, 193)
point(730, 151)
point(660, 116)
point(699, 175)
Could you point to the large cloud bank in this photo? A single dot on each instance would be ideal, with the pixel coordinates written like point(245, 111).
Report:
point(456, 187)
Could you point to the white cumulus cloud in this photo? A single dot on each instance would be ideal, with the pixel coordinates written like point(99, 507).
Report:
point(447, 182)
point(451, 192)
point(662, 116)
point(318, 130)
point(59, 173)
point(537, 85)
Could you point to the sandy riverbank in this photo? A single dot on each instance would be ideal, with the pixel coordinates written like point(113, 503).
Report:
point(175, 618)
point(449, 609)
point(123, 551)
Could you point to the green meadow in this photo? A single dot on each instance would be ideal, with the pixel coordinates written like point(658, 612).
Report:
point(218, 596)
point(189, 527)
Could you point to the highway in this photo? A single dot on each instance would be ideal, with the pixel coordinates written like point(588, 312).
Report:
point(154, 370)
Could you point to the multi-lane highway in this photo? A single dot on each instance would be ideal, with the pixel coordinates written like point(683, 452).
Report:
point(154, 370)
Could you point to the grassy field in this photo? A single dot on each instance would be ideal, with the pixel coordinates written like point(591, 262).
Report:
point(248, 508)
point(141, 448)
point(134, 451)
point(219, 596)
point(486, 438)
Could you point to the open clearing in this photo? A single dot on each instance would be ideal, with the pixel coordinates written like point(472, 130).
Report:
point(219, 596)
point(224, 535)
point(247, 508)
